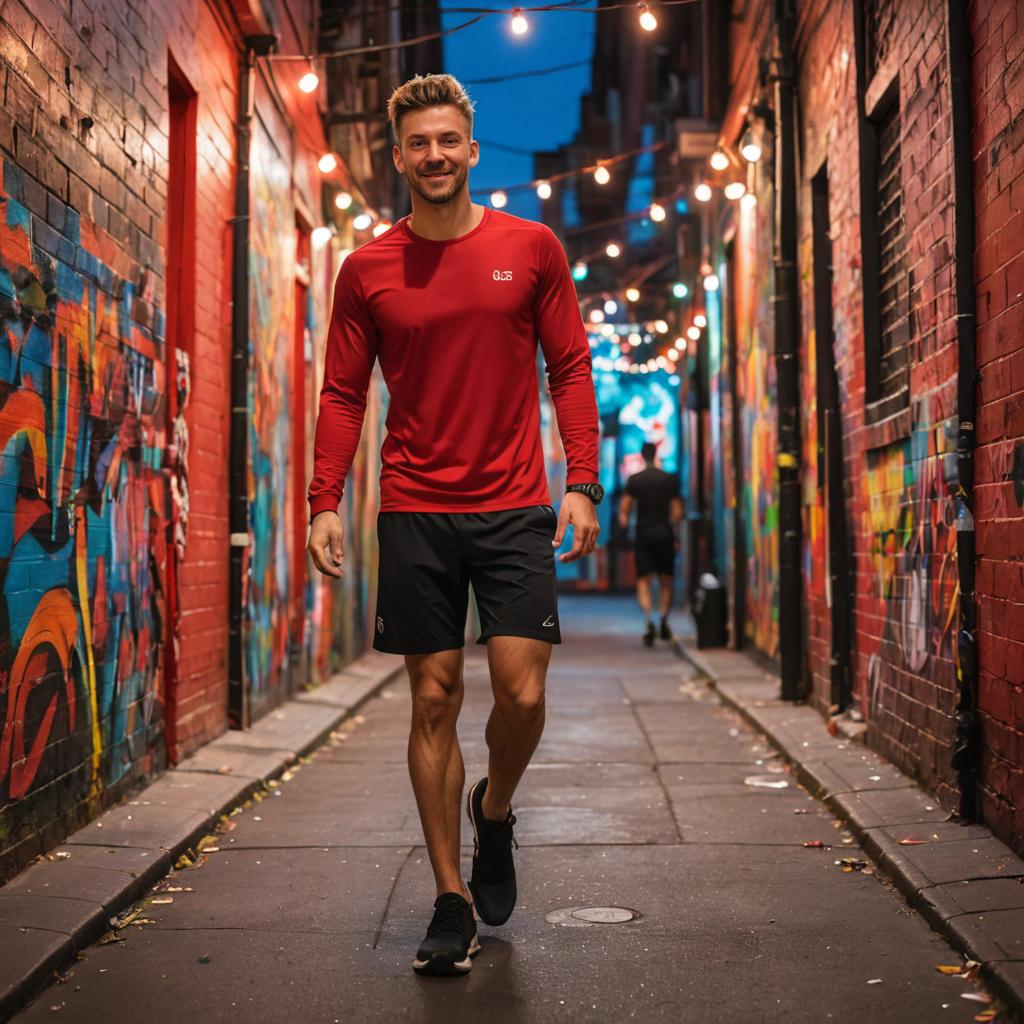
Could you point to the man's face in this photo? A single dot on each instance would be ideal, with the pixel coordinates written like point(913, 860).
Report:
point(436, 153)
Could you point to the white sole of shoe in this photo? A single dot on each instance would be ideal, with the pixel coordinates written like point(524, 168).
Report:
point(435, 966)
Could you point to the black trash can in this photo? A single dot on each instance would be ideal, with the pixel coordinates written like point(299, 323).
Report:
point(711, 612)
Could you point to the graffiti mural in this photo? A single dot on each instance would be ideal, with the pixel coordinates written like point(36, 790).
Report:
point(272, 249)
point(83, 514)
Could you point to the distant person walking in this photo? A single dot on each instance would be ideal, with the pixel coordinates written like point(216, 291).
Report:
point(659, 510)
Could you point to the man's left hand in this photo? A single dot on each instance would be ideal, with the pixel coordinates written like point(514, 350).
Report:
point(579, 511)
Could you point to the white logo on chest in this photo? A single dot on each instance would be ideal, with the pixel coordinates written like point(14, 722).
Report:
point(502, 275)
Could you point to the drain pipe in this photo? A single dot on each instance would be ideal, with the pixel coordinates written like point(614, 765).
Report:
point(787, 364)
point(965, 746)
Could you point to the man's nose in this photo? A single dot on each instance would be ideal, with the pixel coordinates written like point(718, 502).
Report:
point(434, 152)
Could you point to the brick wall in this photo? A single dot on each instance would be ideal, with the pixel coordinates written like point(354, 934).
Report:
point(997, 99)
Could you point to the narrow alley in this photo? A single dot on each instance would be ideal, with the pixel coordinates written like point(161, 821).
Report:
point(639, 799)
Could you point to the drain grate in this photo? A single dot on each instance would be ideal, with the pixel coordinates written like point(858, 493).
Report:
point(586, 917)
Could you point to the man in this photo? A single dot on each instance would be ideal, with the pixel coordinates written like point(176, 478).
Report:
point(452, 300)
point(659, 509)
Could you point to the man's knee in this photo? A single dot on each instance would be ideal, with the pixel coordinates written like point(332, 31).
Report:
point(524, 706)
point(436, 693)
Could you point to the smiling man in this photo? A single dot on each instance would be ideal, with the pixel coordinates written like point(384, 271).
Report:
point(452, 301)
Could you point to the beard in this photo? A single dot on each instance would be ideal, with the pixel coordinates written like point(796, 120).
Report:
point(455, 186)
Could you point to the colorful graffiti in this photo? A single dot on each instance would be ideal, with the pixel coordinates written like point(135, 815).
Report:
point(83, 511)
point(272, 247)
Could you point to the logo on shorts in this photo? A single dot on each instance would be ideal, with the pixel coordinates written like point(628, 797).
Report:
point(502, 275)
point(549, 621)
point(380, 624)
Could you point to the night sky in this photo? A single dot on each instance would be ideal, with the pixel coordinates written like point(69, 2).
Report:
point(529, 113)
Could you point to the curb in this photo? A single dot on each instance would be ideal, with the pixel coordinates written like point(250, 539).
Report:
point(879, 804)
point(64, 902)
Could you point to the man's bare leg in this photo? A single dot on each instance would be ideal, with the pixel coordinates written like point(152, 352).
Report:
point(519, 667)
point(643, 596)
point(664, 594)
point(435, 760)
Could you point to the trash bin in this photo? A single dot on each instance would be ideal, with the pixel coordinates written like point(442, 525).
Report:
point(711, 612)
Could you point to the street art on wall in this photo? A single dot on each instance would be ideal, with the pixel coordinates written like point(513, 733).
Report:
point(83, 514)
point(272, 246)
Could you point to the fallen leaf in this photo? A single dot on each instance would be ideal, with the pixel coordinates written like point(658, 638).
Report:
point(126, 916)
point(766, 782)
point(206, 843)
point(224, 769)
point(816, 844)
point(162, 900)
point(987, 1015)
point(977, 997)
point(948, 969)
point(107, 937)
point(875, 981)
point(913, 842)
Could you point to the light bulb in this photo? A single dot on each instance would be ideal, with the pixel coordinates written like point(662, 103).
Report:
point(750, 148)
point(693, 332)
point(579, 271)
point(648, 22)
point(679, 290)
point(602, 175)
point(379, 229)
point(519, 23)
point(321, 236)
point(748, 201)
point(499, 199)
point(673, 354)
point(711, 283)
point(657, 212)
point(680, 344)
point(661, 327)
point(597, 316)
point(662, 362)
point(734, 189)
point(362, 221)
point(607, 330)
point(611, 307)
point(613, 250)
point(309, 81)
point(327, 163)
point(702, 193)
point(543, 190)
point(635, 339)
point(700, 320)
point(343, 200)
point(633, 294)
point(719, 161)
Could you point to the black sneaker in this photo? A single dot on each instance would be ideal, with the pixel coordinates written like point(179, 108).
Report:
point(650, 635)
point(493, 881)
point(451, 938)
point(666, 632)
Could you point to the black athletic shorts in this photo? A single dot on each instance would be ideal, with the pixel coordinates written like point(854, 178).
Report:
point(428, 560)
point(655, 552)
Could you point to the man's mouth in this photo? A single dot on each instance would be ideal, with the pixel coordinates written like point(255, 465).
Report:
point(437, 175)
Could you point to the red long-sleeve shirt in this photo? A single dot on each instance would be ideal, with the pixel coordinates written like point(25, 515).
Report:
point(455, 325)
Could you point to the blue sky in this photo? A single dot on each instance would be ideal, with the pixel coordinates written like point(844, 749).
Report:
point(529, 113)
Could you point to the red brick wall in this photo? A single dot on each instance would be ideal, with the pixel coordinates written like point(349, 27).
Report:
point(997, 99)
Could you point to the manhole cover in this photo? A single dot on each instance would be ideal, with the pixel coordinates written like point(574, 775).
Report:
point(585, 917)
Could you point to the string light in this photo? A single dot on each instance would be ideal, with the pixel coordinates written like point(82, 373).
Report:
point(750, 149)
point(648, 22)
point(580, 271)
point(309, 81)
point(734, 189)
point(499, 199)
point(327, 163)
point(702, 193)
point(602, 175)
point(679, 290)
point(613, 249)
point(711, 283)
point(362, 221)
point(700, 320)
point(635, 339)
point(748, 201)
point(543, 190)
point(519, 23)
point(383, 226)
point(657, 212)
point(693, 331)
point(633, 294)
point(719, 161)
point(611, 307)
point(320, 236)
point(661, 327)
point(343, 200)
point(597, 316)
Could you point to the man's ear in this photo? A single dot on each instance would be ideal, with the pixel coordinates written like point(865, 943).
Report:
point(396, 156)
point(474, 153)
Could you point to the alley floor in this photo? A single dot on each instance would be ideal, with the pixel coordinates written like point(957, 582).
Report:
point(646, 794)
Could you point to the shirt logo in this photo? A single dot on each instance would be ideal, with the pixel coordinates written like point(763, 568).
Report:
point(502, 275)
point(550, 621)
point(380, 624)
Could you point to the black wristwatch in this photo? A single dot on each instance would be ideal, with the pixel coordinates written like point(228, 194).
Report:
point(595, 492)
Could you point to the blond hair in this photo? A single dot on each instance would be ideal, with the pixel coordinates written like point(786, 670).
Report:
point(422, 91)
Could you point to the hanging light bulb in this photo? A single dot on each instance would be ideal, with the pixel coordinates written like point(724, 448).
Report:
point(719, 161)
point(748, 201)
point(750, 148)
point(343, 200)
point(597, 316)
point(661, 327)
point(734, 189)
point(309, 81)
point(602, 175)
point(519, 23)
point(327, 163)
point(543, 190)
point(607, 330)
point(673, 354)
point(613, 249)
point(693, 332)
point(362, 221)
point(320, 236)
point(680, 344)
point(648, 22)
point(499, 199)
point(611, 307)
point(711, 283)
point(580, 271)
point(679, 290)
point(702, 193)
point(634, 340)
point(700, 320)
point(379, 229)
point(657, 212)
point(633, 294)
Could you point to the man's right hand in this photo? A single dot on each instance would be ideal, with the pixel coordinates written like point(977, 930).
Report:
point(326, 543)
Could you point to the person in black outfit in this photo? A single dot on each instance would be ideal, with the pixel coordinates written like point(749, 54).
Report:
point(659, 509)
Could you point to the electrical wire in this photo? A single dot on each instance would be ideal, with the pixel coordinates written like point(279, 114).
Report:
point(537, 73)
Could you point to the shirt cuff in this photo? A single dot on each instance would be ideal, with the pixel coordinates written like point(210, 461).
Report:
point(323, 503)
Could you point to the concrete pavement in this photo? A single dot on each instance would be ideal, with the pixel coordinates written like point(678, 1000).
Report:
point(646, 794)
